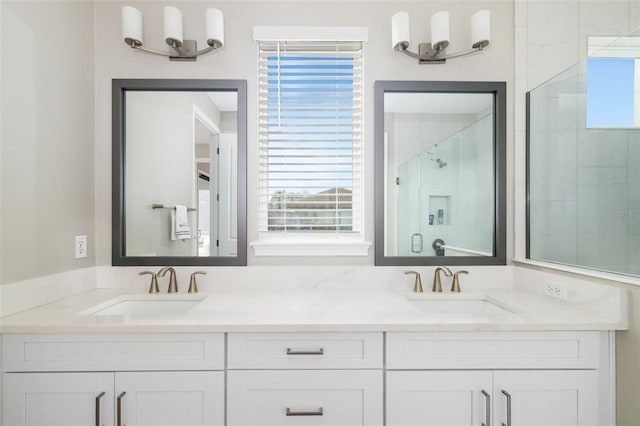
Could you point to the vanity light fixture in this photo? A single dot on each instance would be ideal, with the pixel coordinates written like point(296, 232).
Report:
point(436, 51)
point(179, 49)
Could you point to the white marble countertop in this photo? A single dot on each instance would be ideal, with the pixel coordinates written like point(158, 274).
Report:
point(317, 310)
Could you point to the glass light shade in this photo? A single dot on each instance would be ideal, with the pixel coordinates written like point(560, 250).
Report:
point(132, 27)
point(440, 30)
point(400, 31)
point(215, 27)
point(480, 29)
point(173, 30)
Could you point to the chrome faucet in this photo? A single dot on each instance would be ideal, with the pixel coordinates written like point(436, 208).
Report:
point(173, 284)
point(437, 284)
point(455, 287)
point(417, 285)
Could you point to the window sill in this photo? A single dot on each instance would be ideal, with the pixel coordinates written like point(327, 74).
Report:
point(310, 246)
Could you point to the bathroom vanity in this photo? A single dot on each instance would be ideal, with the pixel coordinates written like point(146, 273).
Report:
point(310, 357)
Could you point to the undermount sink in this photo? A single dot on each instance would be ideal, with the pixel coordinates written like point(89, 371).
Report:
point(471, 304)
point(147, 305)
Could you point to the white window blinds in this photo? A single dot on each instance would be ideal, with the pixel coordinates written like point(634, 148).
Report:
point(310, 136)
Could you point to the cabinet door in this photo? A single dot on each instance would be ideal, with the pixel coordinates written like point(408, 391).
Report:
point(173, 398)
point(301, 397)
point(550, 398)
point(438, 398)
point(58, 399)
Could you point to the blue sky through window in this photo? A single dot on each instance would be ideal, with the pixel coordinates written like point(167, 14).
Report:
point(310, 122)
point(610, 92)
point(309, 128)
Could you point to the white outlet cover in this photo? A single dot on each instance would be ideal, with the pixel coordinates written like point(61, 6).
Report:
point(81, 246)
point(555, 289)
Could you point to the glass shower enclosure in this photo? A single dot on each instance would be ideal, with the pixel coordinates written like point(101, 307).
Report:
point(583, 140)
point(442, 197)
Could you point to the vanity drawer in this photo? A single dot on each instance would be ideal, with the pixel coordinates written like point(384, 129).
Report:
point(326, 397)
point(304, 350)
point(126, 352)
point(493, 350)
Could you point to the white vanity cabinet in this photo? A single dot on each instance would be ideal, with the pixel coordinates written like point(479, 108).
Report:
point(536, 397)
point(113, 380)
point(546, 397)
point(176, 398)
point(441, 378)
point(58, 399)
point(331, 379)
point(437, 397)
point(141, 398)
point(499, 378)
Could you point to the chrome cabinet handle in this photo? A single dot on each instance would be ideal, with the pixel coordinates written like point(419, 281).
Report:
point(119, 409)
point(100, 395)
point(318, 352)
point(290, 413)
point(508, 395)
point(487, 413)
point(413, 243)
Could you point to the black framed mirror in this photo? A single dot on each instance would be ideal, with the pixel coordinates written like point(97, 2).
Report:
point(179, 172)
point(440, 173)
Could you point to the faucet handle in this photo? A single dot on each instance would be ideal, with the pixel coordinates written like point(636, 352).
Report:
point(417, 285)
point(153, 288)
point(455, 287)
point(193, 287)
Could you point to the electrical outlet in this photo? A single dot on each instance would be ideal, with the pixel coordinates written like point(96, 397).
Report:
point(555, 289)
point(81, 246)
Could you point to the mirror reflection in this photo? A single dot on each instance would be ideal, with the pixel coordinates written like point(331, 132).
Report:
point(437, 168)
point(439, 174)
point(179, 173)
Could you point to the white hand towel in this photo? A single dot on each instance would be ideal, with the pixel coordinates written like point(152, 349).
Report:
point(172, 228)
point(180, 228)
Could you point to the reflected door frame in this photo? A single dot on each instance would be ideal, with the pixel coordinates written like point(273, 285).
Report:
point(214, 167)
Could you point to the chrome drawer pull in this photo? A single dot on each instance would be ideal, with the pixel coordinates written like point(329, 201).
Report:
point(508, 395)
point(304, 413)
point(119, 409)
point(100, 395)
point(487, 412)
point(318, 352)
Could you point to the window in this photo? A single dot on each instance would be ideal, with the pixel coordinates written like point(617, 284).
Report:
point(610, 92)
point(310, 136)
point(613, 81)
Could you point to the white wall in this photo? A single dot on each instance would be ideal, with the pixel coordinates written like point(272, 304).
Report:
point(238, 60)
point(47, 137)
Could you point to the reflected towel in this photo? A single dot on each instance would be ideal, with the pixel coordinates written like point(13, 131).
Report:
point(180, 229)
